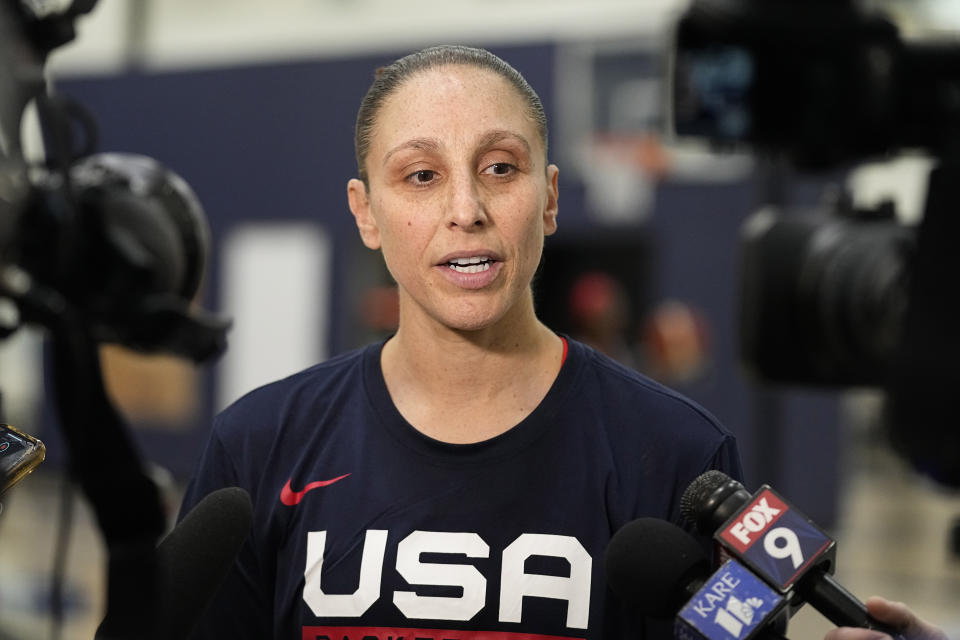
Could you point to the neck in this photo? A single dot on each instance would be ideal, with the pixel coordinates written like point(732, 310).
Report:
point(465, 386)
point(447, 356)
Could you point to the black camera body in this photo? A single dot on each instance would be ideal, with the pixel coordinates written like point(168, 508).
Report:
point(838, 297)
point(96, 248)
point(820, 81)
point(115, 243)
point(823, 293)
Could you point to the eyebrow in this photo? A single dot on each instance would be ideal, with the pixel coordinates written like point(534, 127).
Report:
point(422, 144)
point(489, 139)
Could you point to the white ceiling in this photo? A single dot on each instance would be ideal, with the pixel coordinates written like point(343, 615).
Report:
point(184, 33)
point(187, 33)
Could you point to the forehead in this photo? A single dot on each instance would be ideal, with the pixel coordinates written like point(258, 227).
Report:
point(452, 103)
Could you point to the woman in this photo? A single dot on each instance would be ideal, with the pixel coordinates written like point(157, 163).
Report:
point(462, 478)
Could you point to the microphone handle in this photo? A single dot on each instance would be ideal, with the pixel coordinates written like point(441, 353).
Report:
point(838, 605)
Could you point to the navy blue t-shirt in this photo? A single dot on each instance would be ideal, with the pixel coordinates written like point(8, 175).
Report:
point(366, 528)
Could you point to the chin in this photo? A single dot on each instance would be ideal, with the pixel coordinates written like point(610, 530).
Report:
point(476, 313)
point(472, 319)
point(470, 324)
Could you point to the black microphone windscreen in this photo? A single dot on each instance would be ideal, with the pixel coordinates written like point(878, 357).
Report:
point(651, 564)
point(699, 491)
point(193, 559)
point(711, 499)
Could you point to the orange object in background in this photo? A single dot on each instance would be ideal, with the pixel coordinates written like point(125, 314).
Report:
point(676, 340)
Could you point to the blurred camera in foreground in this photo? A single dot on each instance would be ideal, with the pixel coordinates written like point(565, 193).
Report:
point(838, 296)
point(111, 242)
point(123, 243)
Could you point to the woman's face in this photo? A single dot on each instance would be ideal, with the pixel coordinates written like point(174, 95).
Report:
point(460, 197)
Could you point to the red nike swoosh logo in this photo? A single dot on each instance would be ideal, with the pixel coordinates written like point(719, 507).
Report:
point(290, 497)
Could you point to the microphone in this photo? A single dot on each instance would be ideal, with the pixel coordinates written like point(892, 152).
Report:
point(775, 540)
point(655, 566)
point(190, 562)
point(193, 559)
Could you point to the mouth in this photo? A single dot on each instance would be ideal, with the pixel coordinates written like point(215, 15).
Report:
point(473, 264)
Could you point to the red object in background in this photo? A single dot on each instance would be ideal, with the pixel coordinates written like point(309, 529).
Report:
point(676, 338)
point(599, 309)
point(595, 297)
point(380, 308)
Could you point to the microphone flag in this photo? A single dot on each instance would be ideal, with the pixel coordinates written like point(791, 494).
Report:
point(775, 539)
point(733, 604)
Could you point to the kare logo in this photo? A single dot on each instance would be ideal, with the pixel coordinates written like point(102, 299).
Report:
point(751, 524)
point(737, 614)
point(732, 604)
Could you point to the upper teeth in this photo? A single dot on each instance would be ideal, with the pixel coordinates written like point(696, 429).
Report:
point(475, 264)
point(466, 261)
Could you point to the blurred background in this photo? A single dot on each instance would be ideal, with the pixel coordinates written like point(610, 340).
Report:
point(254, 103)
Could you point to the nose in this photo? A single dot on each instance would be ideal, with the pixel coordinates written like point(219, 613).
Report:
point(465, 206)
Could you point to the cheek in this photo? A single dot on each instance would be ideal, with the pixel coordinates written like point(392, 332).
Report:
point(403, 238)
point(407, 231)
point(526, 216)
point(535, 231)
point(394, 222)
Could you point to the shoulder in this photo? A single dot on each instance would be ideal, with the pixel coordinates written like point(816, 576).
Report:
point(323, 377)
point(642, 419)
point(274, 424)
point(657, 439)
point(258, 440)
point(625, 389)
point(275, 403)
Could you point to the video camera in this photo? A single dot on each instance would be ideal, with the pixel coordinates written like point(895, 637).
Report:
point(821, 81)
point(96, 248)
point(115, 238)
point(847, 296)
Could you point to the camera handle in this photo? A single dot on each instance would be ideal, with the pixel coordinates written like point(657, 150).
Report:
point(106, 464)
point(924, 379)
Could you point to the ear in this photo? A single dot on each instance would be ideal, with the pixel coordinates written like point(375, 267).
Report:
point(359, 201)
point(552, 205)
